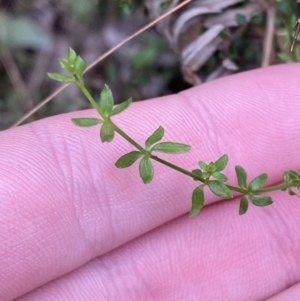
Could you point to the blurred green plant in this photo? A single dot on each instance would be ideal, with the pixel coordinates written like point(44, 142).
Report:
point(144, 60)
point(21, 32)
point(164, 6)
point(81, 10)
point(286, 22)
point(126, 6)
point(287, 32)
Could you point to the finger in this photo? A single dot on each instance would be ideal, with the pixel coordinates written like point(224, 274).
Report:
point(215, 256)
point(64, 203)
point(291, 293)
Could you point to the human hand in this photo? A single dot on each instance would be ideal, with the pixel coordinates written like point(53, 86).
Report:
point(65, 208)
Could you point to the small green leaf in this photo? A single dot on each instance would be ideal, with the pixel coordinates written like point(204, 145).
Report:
point(65, 64)
point(219, 176)
point(221, 163)
point(285, 57)
point(202, 165)
point(121, 107)
point(240, 19)
point(128, 159)
point(198, 173)
point(164, 6)
point(72, 56)
point(260, 200)
point(241, 176)
point(61, 77)
point(291, 192)
point(80, 66)
point(155, 137)
point(107, 132)
point(211, 168)
point(106, 102)
point(205, 175)
point(220, 189)
point(146, 170)
point(197, 200)
point(224, 35)
point(86, 122)
point(171, 148)
point(243, 205)
point(290, 174)
point(293, 174)
point(257, 19)
point(126, 6)
point(258, 182)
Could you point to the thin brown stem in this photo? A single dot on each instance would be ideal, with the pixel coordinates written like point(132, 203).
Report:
point(269, 37)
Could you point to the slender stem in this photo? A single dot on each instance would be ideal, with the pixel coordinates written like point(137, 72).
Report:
point(272, 188)
point(164, 162)
point(175, 167)
point(129, 139)
point(90, 98)
point(236, 189)
point(188, 173)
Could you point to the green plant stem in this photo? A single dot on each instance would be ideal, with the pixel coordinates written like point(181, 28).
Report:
point(90, 98)
point(164, 162)
point(82, 87)
point(175, 167)
point(272, 188)
point(187, 172)
point(129, 139)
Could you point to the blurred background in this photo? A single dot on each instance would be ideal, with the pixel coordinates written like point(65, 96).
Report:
point(203, 41)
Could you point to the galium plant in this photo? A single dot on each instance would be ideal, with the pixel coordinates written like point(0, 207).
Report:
point(208, 175)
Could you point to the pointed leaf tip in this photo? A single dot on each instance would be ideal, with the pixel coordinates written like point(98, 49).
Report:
point(121, 107)
point(61, 78)
point(106, 101)
point(241, 176)
point(243, 205)
point(219, 176)
point(128, 159)
point(171, 148)
point(146, 170)
point(221, 163)
point(220, 189)
point(80, 66)
point(198, 173)
point(107, 132)
point(258, 182)
point(197, 200)
point(202, 165)
point(86, 122)
point(261, 200)
point(72, 56)
point(155, 137)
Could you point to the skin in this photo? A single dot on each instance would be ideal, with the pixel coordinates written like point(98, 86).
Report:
point(73, 227)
